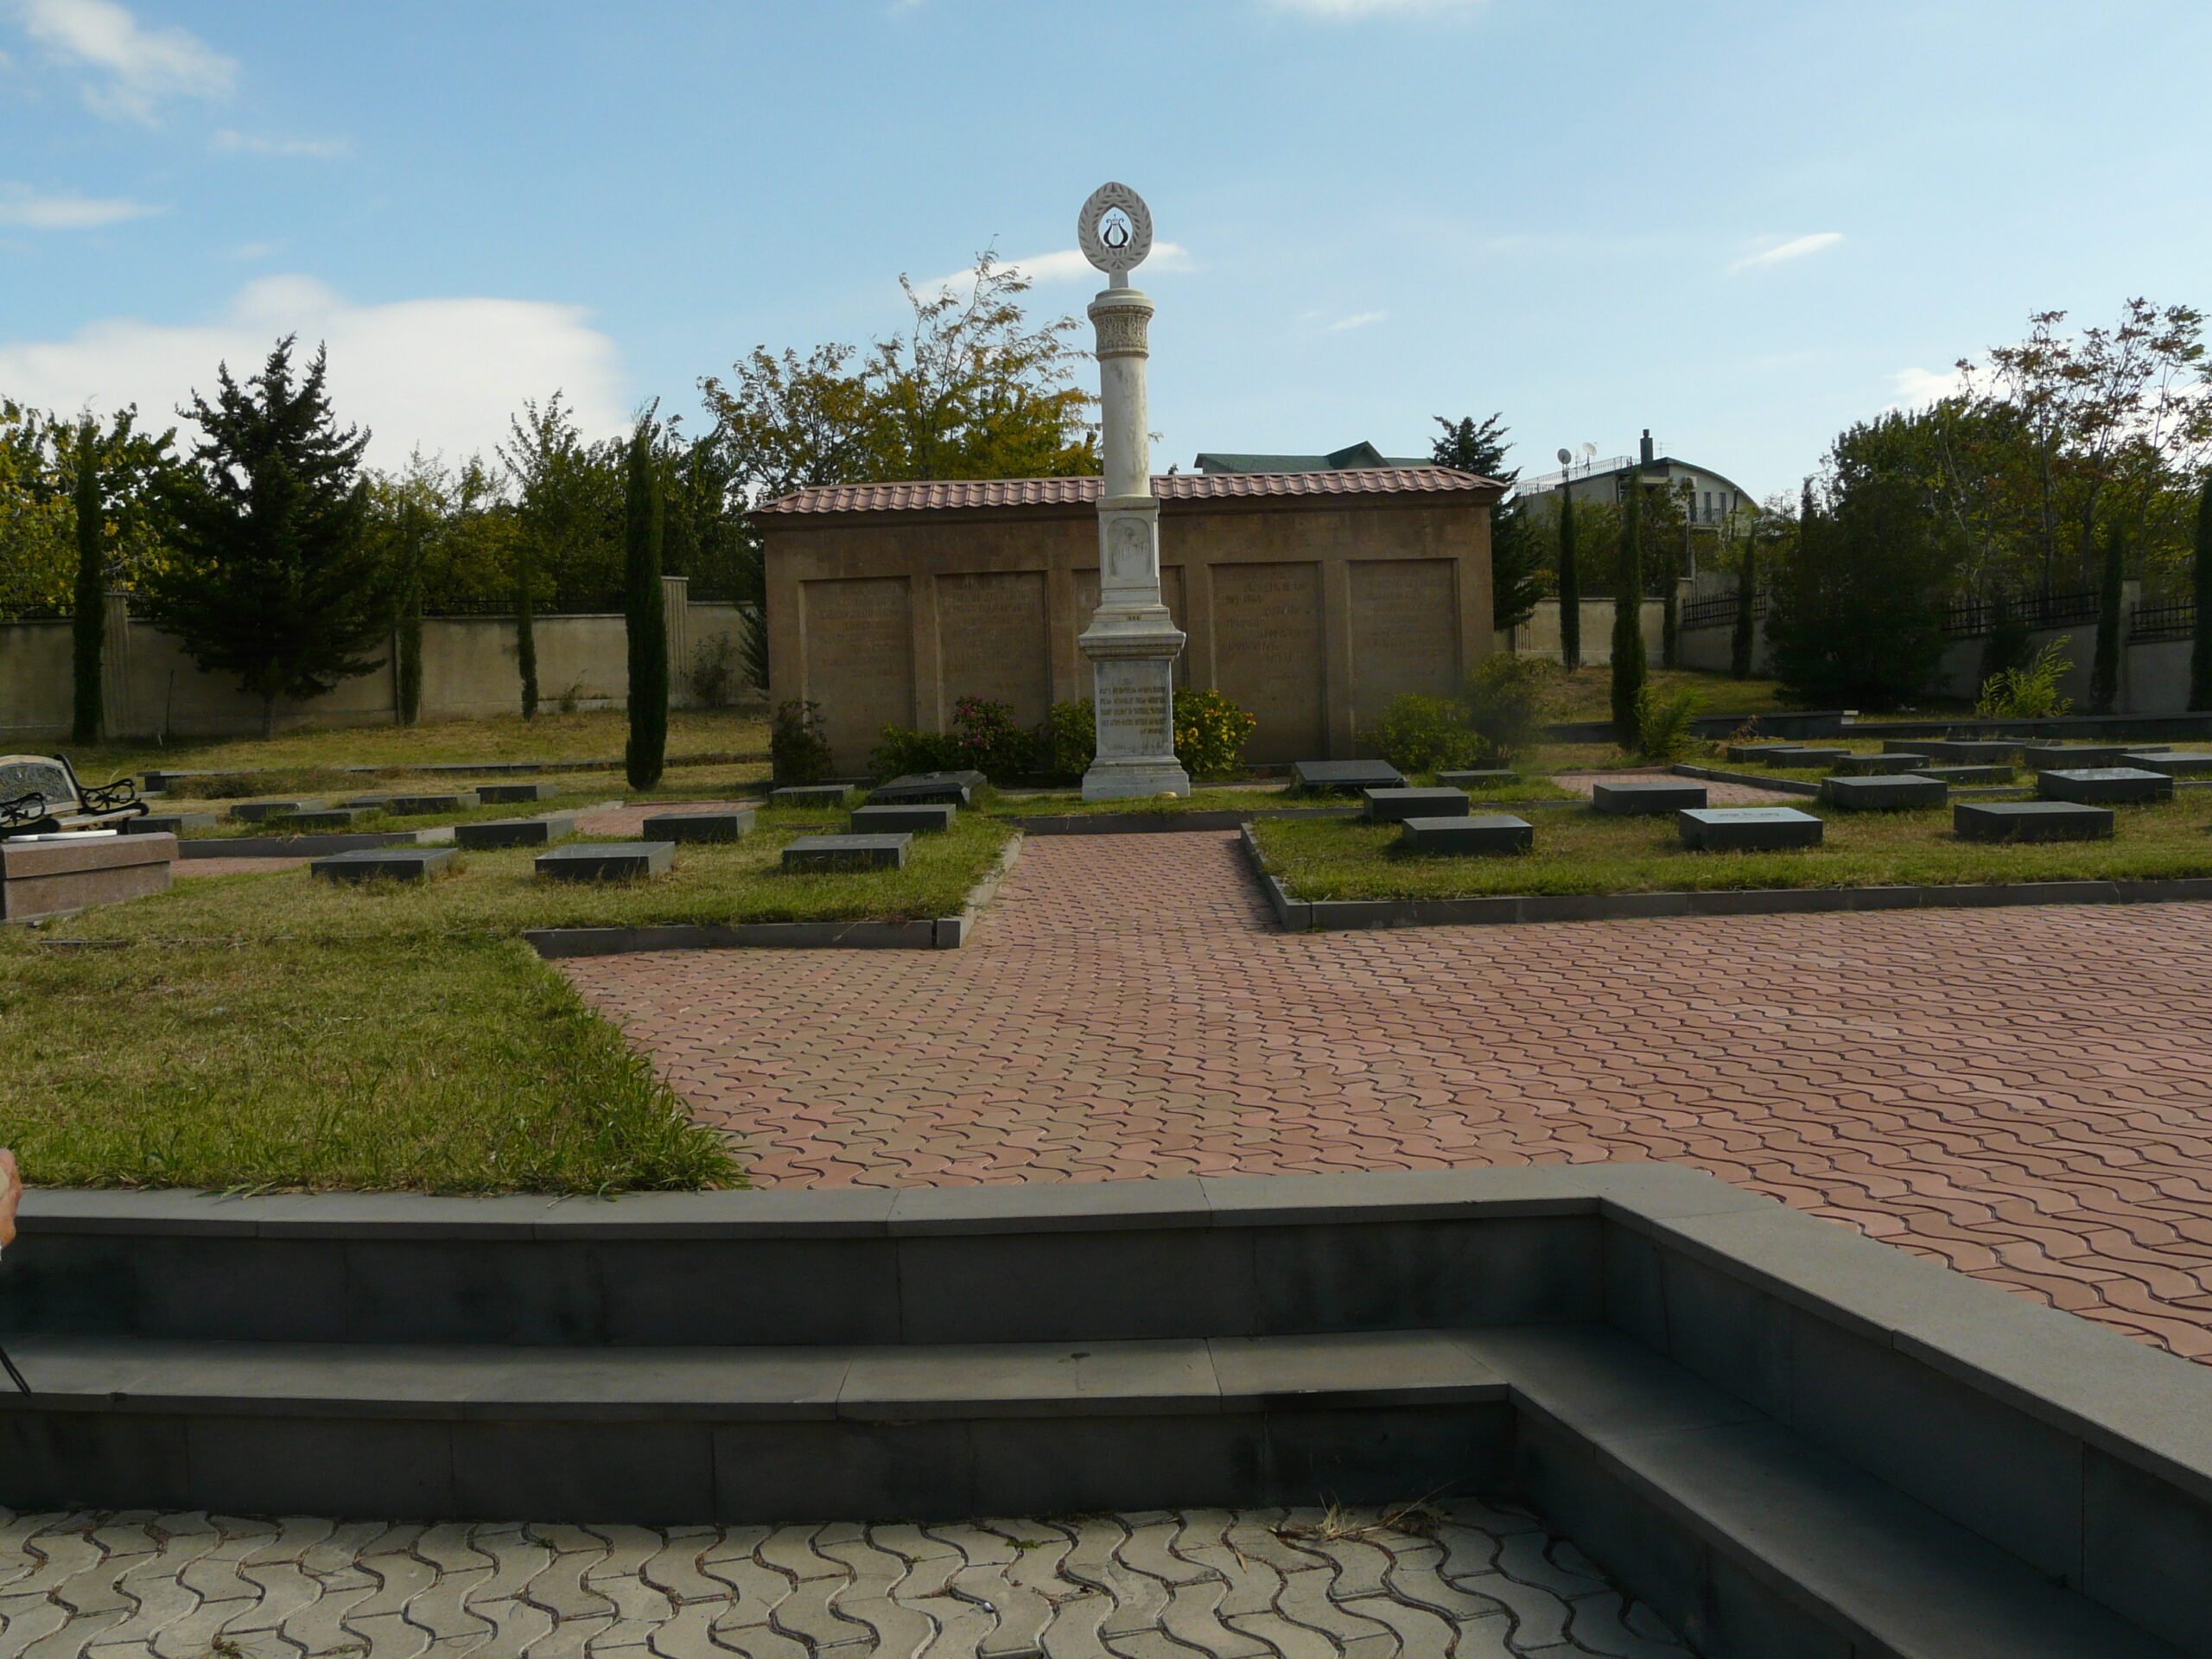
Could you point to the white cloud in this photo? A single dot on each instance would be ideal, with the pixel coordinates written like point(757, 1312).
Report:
point(1916, 388)
point(1358, 320)
point(1796, 248)
point(1065, 265)
point(33, 210)
point(138, 67)
point(445, 374)
point(255, 144)
point(1348, 11)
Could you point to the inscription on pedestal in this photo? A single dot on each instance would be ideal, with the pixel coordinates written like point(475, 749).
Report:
point(860, 658)
point(1268, 654)
point(1135, 714)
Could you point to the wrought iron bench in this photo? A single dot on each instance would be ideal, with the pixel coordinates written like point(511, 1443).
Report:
point(40, 795)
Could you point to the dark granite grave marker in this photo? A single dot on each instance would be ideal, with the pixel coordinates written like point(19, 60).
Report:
point(816, 853)
point(1646, 796)
point(1887, 793)
point(2065, 756)
point(503, 794)
point(1345, 777)
point(1477, 834)
point(168, 823)
point(1974, 751)
point(329, 817)
point(608, 860)
point(541, 831)
point(1396, 805)
point(1741, 753)
point(383, 864)
point(415, 806)
point(2186, 763)
point(925, 788)
point(262, 811)
point(1888, 764)
point(1807, 756)
point(2030, 821)
point(700, 826)
point(2104, 785)
point(1747, 829)
point(1966, 775)
point(923, 818)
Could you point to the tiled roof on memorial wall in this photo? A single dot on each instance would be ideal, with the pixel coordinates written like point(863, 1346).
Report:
point(931, 495)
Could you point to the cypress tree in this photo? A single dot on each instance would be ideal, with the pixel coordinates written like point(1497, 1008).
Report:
point(525, 626)
point(1746, 636)
point(2009, 646)
point(2200, 649)
point(414, 530)
point(1629, 662)
point(644, 611)
point(1570, 586)
point(2104, 670)
point(89, 621)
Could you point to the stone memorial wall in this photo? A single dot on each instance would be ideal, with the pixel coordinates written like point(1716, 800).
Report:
point(1312, 600)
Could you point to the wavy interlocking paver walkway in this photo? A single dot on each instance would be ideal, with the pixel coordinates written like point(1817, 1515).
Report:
point(2024, 1094)
point(1475, 1583)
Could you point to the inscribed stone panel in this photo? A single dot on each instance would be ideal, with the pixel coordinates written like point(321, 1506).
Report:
point(859, 660)
point(1171, 595)
point(1268, 653)
point(991, 633)
point(1405, 633)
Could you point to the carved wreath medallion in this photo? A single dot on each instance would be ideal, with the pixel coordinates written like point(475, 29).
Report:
point(1114, 229)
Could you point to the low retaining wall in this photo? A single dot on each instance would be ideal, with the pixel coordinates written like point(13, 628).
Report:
point(1786, 1437)
point(1332, 915)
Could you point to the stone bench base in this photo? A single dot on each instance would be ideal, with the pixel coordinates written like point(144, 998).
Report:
point(50, 878)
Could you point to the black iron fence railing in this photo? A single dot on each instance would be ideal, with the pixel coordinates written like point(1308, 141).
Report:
point(2176, 620)
point(1719, 611)
point(2035, 611)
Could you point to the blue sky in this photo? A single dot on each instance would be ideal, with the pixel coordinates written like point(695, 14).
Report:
point(1742, 224)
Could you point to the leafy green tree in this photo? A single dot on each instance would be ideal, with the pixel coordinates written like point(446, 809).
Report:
point(1630, 667)
point(644, 610)
point(1517, 550)
point(272, 580)
point(2200, 647)
point(2112, 623)
point(1570, 586)
point(88, 622)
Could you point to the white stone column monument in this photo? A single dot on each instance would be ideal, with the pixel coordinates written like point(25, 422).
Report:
point(1132, 642)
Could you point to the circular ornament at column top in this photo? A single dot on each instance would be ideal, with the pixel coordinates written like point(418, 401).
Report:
point(1114, 230)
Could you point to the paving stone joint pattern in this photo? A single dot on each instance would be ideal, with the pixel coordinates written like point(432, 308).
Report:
point(1475, 1582)
point(2023, 1094)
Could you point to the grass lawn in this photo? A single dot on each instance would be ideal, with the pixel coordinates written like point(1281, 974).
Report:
point(1587, 852)
point(410, 1063)
point(551, 737)
point(1230, 798)
point(1587, 694)
point(277, 1031)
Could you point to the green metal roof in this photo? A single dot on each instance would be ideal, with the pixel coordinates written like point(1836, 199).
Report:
point(1355, 455)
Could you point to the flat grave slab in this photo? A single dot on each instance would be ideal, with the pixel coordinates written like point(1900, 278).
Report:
point(1396, 805)
point(814, 854)
point(501, 794)
point(47, 875)
point(1884, 793)
point(167, 823)
point(2106, 786)
point(608, 860)
point(329, 817)
point(1741, 753)
point(917, 817)
point(700, 826)
point(1966, 774)
point(1345, 777)
point(542, 832)
point(1888, 764)
point(2030, 821)
point(2063, 757)
point(415, 806)
point(1747, 829)
point(1974, 751)
point(2182, 763)
point(377, 801)
point(261, 811)
point(810, 795)
point(1920, 746)
point(383, 864)
point(1639, 796)
point(1808, 755)
point(1487, 778)
point(943, 788)
point(1476, 834)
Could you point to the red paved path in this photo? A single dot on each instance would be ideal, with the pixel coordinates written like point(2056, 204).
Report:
point(2026, 1094)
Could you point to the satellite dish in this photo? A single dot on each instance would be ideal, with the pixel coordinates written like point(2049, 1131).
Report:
point(1589, 452)
point(1567, 457)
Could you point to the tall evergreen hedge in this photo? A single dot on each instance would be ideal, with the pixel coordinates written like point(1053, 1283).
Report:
point(644, 611)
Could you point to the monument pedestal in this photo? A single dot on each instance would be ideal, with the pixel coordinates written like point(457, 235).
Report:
point(53, 875)
point(1133, 669)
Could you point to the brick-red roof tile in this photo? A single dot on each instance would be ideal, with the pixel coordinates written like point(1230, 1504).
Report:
point(1076, 492)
